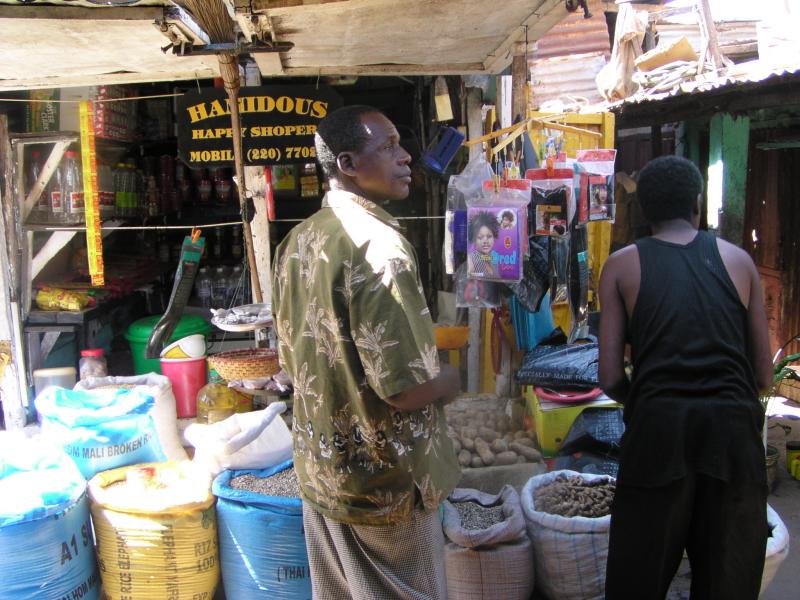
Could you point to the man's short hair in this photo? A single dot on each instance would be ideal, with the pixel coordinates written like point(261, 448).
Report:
point(668, 187)
point(340, 131)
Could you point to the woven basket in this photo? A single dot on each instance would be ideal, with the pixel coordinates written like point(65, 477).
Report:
point(245, 364)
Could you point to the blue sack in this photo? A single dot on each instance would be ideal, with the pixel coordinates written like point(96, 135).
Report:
point(46, 543)
point(101, 429)
point(262, 545)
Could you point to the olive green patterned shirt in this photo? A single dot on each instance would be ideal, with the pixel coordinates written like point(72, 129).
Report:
point(354, 329)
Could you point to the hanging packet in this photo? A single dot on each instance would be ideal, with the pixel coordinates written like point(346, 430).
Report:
point(475, 293)
point(496, 229)
point(552, 205)
point(594, 172)
point(461, 189)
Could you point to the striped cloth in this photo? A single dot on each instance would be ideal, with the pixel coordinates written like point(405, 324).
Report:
point(404, 561)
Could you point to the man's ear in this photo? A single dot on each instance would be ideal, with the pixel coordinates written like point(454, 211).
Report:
point(346, 163)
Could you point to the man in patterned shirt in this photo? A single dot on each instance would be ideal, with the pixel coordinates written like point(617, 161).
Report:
point(354, 333)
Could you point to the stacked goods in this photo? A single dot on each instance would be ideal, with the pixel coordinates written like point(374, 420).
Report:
point(488, 554)
point(45, 534)
point(101, 429)
point(484, 435)
point(262, 545)
point(570, 552)
point(156, 532)
point(114, 119)
point(163, 413)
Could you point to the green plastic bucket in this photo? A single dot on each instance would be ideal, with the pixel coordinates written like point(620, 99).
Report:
point(139, 332)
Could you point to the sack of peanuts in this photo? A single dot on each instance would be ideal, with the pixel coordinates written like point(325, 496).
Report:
point(488, 555)
point(568, 519)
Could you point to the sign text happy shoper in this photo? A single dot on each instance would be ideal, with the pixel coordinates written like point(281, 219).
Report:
point(277, 123)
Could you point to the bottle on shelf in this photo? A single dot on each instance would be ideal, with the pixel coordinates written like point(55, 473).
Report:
point(222, 186)
point(73, 189)
point(41, 210)
point(105, 191)
point(309, 181)
point(237, 249)
point(217, 244)
point(204, 189)
point(239, 284)
point(204, 287)
point(55, 195)
point(219, 287)
point(153, 203)
point(120, 190)
point(163, 249)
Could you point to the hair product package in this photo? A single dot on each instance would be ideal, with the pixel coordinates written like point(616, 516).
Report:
point(497, 232)
point(594, 174)
point(552, 205)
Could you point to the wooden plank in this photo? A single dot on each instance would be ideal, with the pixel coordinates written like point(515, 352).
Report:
point(268, 4)
point(388, 69)
point(105, 79)
point(107, 13)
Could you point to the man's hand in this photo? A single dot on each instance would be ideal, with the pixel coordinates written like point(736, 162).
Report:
point(445, 387)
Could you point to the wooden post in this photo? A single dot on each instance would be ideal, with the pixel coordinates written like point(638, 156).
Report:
point(519, 77)
point(709, 31)
point(729, 142)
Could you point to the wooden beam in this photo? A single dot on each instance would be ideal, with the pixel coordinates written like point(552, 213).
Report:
point(35, 83)
point(269, 4)
point(547, 14)
point(79, 13)
point(387, 69)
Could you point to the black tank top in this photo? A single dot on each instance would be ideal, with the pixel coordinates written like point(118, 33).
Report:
point(693, 402)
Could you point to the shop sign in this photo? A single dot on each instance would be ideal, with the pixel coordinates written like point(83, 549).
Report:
point(278, 124)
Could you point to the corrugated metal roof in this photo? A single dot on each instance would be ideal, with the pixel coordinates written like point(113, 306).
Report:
point(755, 71)
point(568, 78)
point(576, 35)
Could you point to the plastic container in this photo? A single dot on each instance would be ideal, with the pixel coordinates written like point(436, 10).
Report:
point(216, 402)
point(188, 376)
point(62, 377)
point(92, 363)
point(139, 332)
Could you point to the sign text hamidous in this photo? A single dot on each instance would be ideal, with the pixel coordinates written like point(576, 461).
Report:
point(278, 124)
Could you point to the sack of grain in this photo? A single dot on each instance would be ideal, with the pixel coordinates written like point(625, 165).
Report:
point(101, 429)
point(156, 531)
point(262, 545)
point(570, 552)
point(488, 555)
point(46, 544)
point(163, 413)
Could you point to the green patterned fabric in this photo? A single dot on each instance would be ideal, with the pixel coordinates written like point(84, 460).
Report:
point(354, 329)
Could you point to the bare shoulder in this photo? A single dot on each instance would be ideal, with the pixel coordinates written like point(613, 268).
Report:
point(735, 257)
point(622, 261)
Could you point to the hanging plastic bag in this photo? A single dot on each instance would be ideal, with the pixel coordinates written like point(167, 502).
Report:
point(475, 293)
point(579, 283)
point(460, 189)
point(497, 230)
point(101, 429)
point(595, 173)
point(559, 269)
point(254, 440)
point(552, 203)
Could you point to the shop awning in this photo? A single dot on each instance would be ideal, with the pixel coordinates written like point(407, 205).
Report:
point(84, 43)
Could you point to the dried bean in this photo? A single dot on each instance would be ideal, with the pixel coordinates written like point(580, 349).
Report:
point(283, 484)
point(475, 516)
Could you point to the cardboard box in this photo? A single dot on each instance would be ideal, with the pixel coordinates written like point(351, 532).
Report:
point(552, 420)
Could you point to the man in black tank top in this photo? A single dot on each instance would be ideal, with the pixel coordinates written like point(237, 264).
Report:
point(692, 472)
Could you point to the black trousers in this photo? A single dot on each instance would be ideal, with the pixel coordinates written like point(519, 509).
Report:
point(722, 526)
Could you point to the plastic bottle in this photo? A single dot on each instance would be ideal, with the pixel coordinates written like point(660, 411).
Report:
point(153, 204)
point(217, 245)
point(92, 363)
point(55, 194)
point(73, 189)
point(236, 244)
point(41, 210)
point(238, 283)
point(105, 191)
point(119, 190)
point(220, 287)
point(204, 287)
